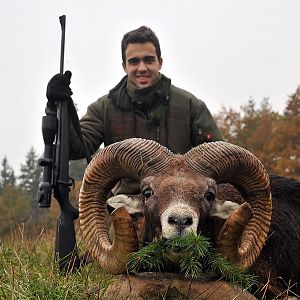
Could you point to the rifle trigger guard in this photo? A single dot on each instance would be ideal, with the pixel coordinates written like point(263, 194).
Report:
point(70, 183)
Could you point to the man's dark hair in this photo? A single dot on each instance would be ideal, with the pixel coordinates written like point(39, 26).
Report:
point(141, 35)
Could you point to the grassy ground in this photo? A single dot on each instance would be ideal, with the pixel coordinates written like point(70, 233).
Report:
point(27, 271)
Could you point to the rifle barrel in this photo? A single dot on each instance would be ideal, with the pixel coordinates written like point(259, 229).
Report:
point(62, 20)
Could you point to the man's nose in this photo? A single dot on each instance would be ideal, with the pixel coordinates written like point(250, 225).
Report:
point(142, 66)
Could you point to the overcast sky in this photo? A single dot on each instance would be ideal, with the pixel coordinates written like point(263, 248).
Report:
point(224, 52)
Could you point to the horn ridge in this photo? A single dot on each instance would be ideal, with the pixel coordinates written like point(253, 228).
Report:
point(129, 158)
point(228, 163)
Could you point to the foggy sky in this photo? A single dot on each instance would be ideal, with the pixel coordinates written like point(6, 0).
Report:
point(224, 52)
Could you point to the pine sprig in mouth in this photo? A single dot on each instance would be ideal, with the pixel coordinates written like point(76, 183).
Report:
point(196, 255)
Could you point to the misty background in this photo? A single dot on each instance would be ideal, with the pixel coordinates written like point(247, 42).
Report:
point(224, 52)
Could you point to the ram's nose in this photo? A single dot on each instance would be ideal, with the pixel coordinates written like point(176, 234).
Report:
point(178, 219)
point(180, 222)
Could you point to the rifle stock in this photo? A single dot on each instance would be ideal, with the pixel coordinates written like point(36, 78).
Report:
point(65, 243)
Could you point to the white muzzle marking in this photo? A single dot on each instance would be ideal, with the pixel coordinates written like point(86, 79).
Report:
point(178, 219)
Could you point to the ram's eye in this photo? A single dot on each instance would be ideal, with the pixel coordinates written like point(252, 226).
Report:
point(209, 196)
point(147, 193)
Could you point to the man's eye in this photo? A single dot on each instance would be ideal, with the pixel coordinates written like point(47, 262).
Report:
point(133, 61)
point(149, 60)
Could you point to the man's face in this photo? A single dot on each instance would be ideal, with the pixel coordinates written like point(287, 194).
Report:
point(141, 64)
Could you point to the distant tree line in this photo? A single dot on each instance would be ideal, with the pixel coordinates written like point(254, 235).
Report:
point(272, 136)
point(18, 193)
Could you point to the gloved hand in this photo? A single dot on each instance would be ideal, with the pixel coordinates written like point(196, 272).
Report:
point(58, 87)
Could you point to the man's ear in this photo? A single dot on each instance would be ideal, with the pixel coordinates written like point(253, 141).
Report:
point(124, 67)
point(160, 62)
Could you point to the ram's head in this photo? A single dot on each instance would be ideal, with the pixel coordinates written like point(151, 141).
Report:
point(179, 195)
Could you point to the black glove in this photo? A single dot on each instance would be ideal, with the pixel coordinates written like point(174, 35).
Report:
point(58, 87)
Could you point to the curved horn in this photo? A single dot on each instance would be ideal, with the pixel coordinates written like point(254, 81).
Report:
point(225, 162)
point(129, 158)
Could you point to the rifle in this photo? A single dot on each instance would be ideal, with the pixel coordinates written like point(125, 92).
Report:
point(56, 180)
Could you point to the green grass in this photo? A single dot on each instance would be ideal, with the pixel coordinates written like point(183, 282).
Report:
point(27, 271)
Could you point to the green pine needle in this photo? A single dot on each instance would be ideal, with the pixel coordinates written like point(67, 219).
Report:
point(198, 245)
point(196, 254)
point(190, 266)
point(230, 271)
point(151, 258)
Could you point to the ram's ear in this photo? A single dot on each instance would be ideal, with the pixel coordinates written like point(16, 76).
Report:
point(132, 203)
point(222, 209)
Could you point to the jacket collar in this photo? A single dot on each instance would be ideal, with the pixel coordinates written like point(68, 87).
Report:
point(121, 99)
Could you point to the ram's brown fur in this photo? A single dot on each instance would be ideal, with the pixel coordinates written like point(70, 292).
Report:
point(180, 194)
point(278, 265)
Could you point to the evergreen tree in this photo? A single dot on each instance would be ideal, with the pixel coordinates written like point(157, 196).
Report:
point(30, 176)
point(14, 209)
point(293, 104)
point(7, 175)
point(229, 121)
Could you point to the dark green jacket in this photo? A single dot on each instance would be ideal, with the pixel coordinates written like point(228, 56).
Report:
point(175, 118)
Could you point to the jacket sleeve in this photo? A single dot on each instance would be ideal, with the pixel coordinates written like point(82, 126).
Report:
point(92, 128)
point(204, 127)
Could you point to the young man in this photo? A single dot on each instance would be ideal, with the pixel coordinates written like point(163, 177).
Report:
point(143, 104)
